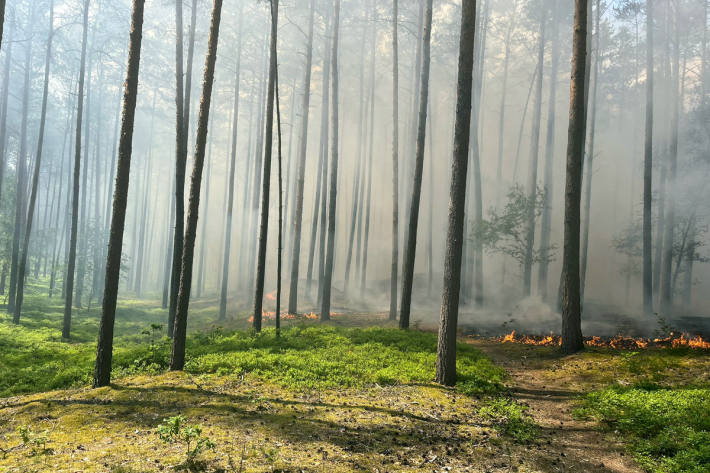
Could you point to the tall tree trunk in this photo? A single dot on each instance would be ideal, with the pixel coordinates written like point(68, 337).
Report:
point(534, 154)
point(82, 235)
point(411, 248)
point(277, 313)
point(666, 273)
point(148, 171)
point(104, 350)
point(232, 165)
point(180, 164)
point(203, 246)
point(321, 179)
point(330, 254)
point(570, 290)
point(268, 147)
point(35, 175)
point(177, 359)
point(3, 110)
point(479, 63)
point(298, 212)
point(395, 162)
point(648, 168)
point(546, 219)
point(71, 262)
point(371, 152)
point(504, 93)
point(20, 170)
point(590, 154)
point(325, 133)
point(446, 349)
point(167, 272)
point(2, 18)
point(258, 168)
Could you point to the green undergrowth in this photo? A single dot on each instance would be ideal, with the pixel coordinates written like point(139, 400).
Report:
point(669, 428)
point(34, 358)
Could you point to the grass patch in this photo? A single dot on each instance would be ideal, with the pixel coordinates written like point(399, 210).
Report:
point(510, 417)
point(669, 427)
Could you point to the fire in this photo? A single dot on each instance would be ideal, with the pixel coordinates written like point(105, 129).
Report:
point(271, 296)
point(618, 342)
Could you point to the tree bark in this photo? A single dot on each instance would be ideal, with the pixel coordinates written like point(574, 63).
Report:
point(71, 263)
point(35, 176)
point(20, 191)
point(395, 163)
point(268, 147)
point(570, 290)
point(669, 224)
point(546, 219)
point(446, 349)
point(411, 248)
point(232, 165)
point(590, 155)
point(504, 93)
point(177, 359)
point(330, 254)
point(534, 154)
point(180, 164)
point(648, 167)
point(3, 110)
point(298, 212)
point(104, 350)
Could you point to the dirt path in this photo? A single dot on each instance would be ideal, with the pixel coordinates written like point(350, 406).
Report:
point(566, 444)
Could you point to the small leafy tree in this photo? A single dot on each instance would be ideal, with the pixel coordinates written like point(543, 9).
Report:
point(174, 430)
point(505, 231)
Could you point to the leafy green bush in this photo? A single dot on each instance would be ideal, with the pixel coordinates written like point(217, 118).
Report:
point(670, 428)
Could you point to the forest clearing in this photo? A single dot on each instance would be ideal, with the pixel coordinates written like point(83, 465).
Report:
point(353, 395)
point(330, 236)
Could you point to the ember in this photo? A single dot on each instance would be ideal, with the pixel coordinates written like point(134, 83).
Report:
point(619, 342)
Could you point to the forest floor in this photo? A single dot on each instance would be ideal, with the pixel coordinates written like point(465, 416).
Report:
point(340, 397)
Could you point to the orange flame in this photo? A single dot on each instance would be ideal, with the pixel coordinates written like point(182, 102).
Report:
point(618, 342)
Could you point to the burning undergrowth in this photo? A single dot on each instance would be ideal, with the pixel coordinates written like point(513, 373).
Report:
point(619, 342)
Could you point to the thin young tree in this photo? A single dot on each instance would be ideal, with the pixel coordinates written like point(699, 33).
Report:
point(300, 179)
point(21, 171)
point(589, 160)
point(648, 168)
point(266, 183)
point(71, 261)
point(35, 175)
point(281, 211)
point(395, 162)
point(411, 248)
point(546, 218)
point(3, 111)
point(177, 359)
point(180, 164)
point(534, 154)
point(2, 19)
point(332, 205)
point(104, 350)
point(446, 348)
point(232, 165)
point(183, 89)
point(570, 281)
point(668, 237)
